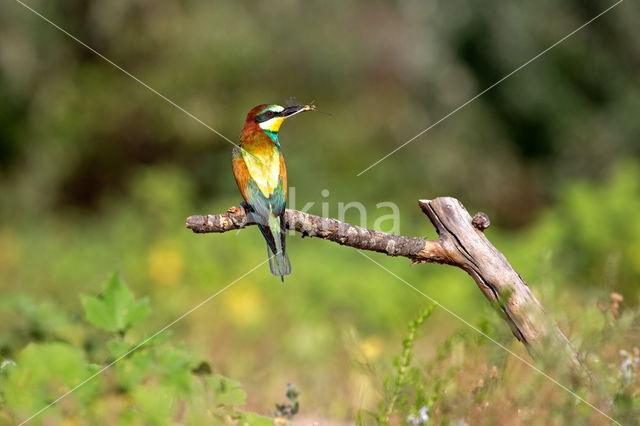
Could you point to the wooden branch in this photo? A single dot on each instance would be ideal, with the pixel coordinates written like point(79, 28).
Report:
point(461, 243)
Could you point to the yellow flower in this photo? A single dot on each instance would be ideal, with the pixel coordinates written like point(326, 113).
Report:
point(165, 264)
point(243, 304)
point(371, 347)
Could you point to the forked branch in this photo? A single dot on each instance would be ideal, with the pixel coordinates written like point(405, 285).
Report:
point(461, 243)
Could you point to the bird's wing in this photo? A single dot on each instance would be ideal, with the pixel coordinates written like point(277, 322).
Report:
point(241, 173)
point(283, 176)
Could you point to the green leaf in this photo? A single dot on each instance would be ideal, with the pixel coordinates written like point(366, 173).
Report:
point(134, 369)
point(227, 392)
point(42, 373)
point(175, 367)
point(252, 419)
point(115, 310)
point(118, 347)
point(154, 405)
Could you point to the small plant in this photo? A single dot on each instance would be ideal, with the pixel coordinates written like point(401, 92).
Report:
point(403, 388)
point(287, 411)
point(115, 309)
point(421, 417)
point(156, 383)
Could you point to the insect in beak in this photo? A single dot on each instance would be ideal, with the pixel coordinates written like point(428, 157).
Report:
point(296, 109)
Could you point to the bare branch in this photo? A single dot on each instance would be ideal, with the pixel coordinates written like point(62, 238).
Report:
point(461, 243)
point(329, 229)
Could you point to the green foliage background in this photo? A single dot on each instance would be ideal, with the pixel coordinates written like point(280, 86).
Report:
point(97, 174)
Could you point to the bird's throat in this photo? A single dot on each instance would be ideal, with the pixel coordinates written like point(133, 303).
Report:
point(273, 136)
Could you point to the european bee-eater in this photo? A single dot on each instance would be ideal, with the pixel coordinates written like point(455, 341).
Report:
point(261, 175)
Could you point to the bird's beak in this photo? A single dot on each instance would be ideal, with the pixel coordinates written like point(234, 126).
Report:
point(293, 110)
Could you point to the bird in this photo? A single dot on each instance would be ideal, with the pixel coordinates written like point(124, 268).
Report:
point(261, 175)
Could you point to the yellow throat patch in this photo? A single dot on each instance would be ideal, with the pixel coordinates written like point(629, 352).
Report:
point(272, 125)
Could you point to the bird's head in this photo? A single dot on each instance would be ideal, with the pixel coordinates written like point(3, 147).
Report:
point(271, 117)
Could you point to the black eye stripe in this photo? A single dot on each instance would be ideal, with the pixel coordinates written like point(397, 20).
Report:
point(265, 116)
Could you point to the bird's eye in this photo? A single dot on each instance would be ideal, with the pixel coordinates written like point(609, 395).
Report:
point(269, 114)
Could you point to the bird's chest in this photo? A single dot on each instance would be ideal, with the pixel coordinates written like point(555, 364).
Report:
point(264, 168)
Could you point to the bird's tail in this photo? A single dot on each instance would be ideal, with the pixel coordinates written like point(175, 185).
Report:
point(275, 236)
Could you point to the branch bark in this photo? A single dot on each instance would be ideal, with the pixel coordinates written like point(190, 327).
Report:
point(461, 243)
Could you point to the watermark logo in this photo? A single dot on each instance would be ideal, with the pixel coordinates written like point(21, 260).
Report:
point(385, 217)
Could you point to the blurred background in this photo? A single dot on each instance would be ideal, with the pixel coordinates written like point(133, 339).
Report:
point(97, 173)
